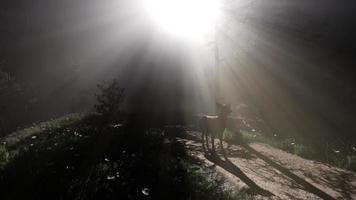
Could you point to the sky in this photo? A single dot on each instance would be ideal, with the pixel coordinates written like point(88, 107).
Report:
point(292, 61)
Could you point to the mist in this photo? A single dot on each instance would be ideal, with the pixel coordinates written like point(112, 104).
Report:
point(286, 68)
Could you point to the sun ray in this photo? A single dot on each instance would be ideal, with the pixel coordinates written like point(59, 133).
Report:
point(186, 19)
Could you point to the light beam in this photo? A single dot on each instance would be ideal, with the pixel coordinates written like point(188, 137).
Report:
point(186, 19)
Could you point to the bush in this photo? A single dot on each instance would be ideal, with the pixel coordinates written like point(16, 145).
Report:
point(110, 100)
point(351, 162)
point(4, 156)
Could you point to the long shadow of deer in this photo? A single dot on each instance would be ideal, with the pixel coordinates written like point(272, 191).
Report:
point(309, 187)
point(233, 169)
point(214, 127)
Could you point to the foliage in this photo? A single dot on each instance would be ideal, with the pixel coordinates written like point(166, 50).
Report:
point(16, 102)
point(110, 100)
point(234, 194)
point(342, 156)
point(86, 159)
point(4, 156)
point(10, 93)
point(17, 137)
point(206, 186)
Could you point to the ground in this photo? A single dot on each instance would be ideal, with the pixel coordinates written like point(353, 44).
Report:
point(84, 157)
point(79, 157)
point(275, 174)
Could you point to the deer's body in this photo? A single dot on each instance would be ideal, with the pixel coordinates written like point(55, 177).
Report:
point(214, 126)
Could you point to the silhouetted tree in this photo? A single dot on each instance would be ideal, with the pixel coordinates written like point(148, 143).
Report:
point(12, 103)
point(109, 100)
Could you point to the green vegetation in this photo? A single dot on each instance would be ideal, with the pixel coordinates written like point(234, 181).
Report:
point(207, 185)
point(38, 128)
point(89, 159)
point(93, 156)
point(4, 156)
point(339, 155)
point(110, 100)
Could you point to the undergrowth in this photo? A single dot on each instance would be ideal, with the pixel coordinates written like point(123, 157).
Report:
point(343, 156)
point(88, 159)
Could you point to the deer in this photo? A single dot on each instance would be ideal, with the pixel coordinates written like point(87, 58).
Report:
point(214, 126)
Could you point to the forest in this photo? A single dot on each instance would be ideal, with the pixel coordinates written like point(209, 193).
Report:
point(177, 99)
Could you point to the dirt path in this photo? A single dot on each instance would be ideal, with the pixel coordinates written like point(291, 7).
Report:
point(275, 174)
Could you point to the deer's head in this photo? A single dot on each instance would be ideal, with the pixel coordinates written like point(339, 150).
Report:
point(223, 109)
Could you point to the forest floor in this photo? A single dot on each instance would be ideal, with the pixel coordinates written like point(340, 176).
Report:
point(271, 173)
point(77, 157)
point(84, 158)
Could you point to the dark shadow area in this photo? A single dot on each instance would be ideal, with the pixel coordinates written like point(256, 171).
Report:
point(240, 153)
point(91, 159)
point(339, 180)
point(226, 164)
point(230, 167)
point(309, 187)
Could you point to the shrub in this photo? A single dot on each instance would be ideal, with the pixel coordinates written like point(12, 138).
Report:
point(110, 100)
point(4, 156)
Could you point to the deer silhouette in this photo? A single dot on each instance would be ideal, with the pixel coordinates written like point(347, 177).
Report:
point(214, 126)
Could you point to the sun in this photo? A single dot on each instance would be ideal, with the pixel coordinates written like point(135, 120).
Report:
point(187, 19)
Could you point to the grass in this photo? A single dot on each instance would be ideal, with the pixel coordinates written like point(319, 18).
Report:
point(4, 156)
point(83, 158)
point(209, 187)
point(338, 155)
point(37, 128)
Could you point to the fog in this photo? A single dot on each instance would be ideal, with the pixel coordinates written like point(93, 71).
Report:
point(291, 63)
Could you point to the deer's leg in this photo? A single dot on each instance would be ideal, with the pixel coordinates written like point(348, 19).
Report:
point(207, 141)
point(202, 139)
point(212, 143)
point(221, 143)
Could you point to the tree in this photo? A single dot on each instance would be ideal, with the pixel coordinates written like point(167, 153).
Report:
point(110, 100)
point(12, 103)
